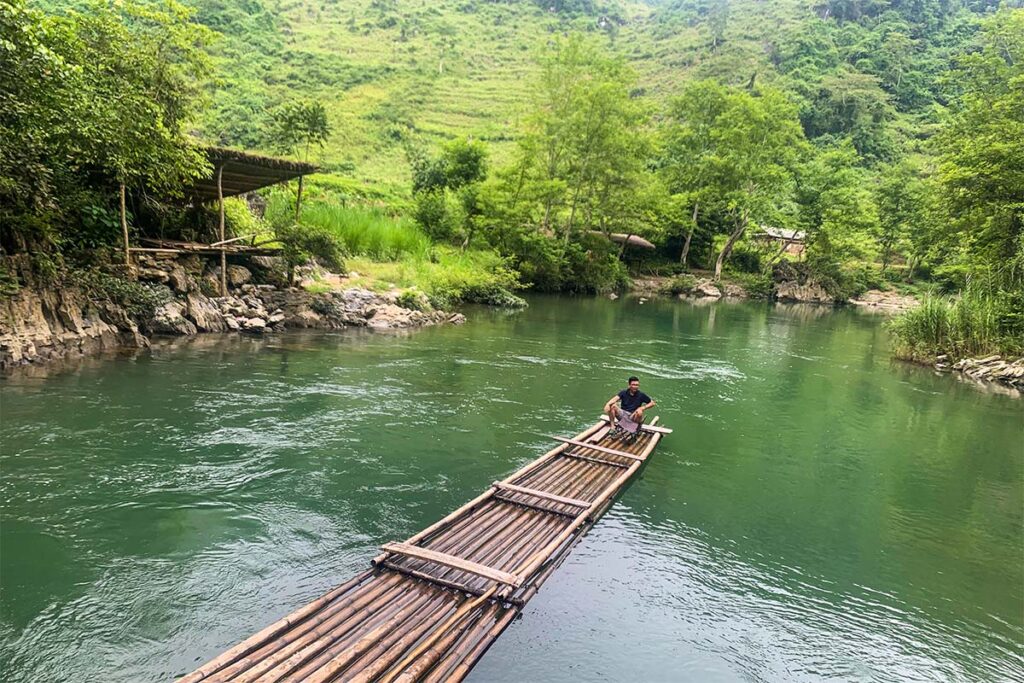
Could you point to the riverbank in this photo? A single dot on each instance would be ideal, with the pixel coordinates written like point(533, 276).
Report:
point(100, 311)
point(701, 285)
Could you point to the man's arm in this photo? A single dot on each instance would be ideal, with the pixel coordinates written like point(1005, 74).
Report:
point(612, 401)
point(639, 412)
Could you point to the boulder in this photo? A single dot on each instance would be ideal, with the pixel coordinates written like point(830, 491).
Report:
point(170, 319)
point(179, 281)
point(811, 292)
point(456, 319)
point(255, 325)
point(706, 288)
point(734, 291)
point(204, 313)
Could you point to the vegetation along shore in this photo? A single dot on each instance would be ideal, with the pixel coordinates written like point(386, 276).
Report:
point(190, 165)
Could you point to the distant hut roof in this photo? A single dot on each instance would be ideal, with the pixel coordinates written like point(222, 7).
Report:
point(631, 240)
point(782, 233)
point(244, 172)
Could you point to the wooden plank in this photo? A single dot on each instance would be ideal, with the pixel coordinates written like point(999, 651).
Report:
point(452, 561)
point(541, 494)
point(648, 428)
point(595, 447)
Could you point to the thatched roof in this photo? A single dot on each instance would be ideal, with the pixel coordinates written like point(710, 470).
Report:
point(782, 234)
point(631, 240)
point(244, 172)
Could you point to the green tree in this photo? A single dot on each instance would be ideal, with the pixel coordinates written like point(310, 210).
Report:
point(91, 99)
point(902, 203)
point(746, 145)
point(981, 145)
point(299, 125)
point(446, 189)
point(837, 207)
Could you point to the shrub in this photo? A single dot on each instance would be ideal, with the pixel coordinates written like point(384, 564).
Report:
point(758, 285)
point(138, 299)
point(680, 284)
point(593, 266)
point(303, 242)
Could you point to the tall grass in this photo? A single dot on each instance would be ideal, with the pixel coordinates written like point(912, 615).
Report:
point(362, 231)
point(980, 321)
point(450, 276)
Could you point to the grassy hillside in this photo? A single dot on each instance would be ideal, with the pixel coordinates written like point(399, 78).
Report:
point(398, 72)
point(390, 73)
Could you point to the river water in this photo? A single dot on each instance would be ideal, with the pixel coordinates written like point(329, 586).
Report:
point(820, 513)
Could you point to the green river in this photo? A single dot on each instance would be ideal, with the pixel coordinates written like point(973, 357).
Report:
point(820, 513)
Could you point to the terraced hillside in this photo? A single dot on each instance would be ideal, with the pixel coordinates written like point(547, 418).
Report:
point(399, 72)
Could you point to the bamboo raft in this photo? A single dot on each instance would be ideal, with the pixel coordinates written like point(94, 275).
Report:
point(429, 607)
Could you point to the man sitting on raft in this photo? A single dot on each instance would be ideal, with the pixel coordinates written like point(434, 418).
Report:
point(626, 409)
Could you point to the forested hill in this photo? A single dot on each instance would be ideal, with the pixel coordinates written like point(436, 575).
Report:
point(391, 72)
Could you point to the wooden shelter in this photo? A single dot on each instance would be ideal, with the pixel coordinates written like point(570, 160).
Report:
point(233, 173)
point(791, 242)
point(432, 605)
point(626, 240)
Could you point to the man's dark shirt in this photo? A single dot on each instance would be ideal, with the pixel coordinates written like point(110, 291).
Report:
point(631, 402)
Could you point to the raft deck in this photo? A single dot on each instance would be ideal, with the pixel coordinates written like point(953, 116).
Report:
point(430, 607)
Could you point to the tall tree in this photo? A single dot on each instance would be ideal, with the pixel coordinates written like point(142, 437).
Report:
point(746, 145)
point(981, 144)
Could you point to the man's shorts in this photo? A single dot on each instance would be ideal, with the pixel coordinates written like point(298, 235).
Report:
point(627, 422)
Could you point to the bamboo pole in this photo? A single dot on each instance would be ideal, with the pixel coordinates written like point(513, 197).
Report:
point(124, 229)
point(543, 495)
point(287, 661)
point(414, 589)
point(534, 562)
point(296, 638)
point(381, 657)
point(298, 202)
point(223, 251)
point(412, 540)
point(273, 631)
point(452, 620)
point(354, 651)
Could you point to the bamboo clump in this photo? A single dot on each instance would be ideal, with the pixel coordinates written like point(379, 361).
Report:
point(432, 605)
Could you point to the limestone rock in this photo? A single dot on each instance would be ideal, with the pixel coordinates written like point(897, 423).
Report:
point(706, 288)
point(255, 325)
point(204, 313)
point(170, 319)
point(179, 281)
point(811, 292)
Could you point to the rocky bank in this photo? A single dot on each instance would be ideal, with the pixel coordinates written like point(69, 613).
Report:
point(40, 324)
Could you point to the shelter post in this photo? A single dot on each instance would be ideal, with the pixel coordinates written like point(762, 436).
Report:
point(124, 229)
point(223, 251)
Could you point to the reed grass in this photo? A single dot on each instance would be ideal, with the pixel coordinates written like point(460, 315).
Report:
point(362, 231)
point(979, 321)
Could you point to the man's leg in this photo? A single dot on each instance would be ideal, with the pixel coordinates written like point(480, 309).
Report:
point(613, 416)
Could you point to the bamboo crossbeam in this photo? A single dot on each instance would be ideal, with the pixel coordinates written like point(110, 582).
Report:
point(599, 461)
point(451, 561)
point(539, 508)
point(502, 486)
point(595, 447)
